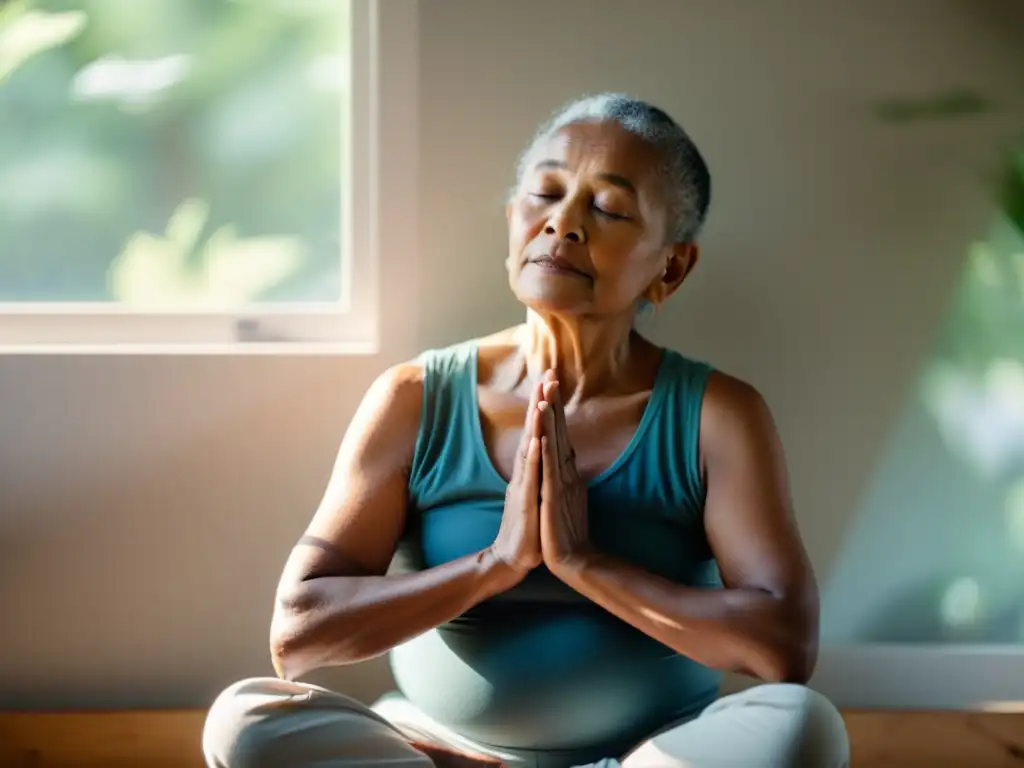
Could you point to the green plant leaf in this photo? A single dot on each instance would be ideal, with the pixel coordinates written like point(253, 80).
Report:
point(27, 33)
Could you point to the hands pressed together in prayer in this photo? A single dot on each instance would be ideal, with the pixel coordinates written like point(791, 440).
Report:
point(545, 516)
point(563, 493)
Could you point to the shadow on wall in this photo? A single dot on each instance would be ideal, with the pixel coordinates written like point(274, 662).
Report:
point(937, 551)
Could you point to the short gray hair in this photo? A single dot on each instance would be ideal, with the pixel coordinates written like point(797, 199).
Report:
point(683, 170)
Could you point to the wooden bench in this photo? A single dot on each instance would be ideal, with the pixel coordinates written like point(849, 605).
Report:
point(166, 739)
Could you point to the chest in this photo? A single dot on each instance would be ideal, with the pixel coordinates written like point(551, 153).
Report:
point(600, 429)
point(653, 530)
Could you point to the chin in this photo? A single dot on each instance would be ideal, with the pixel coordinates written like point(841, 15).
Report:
point(553, 299)
point(564, 306)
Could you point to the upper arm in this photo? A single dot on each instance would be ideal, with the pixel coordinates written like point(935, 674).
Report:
point(747, 514)
point(360, 518)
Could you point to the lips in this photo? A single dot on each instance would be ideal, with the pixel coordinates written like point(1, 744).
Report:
point(559, 263)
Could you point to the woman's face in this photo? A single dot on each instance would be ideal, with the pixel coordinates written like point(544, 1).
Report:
point(588, 225)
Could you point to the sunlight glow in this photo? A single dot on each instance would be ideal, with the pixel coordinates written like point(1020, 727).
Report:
point(660, 618)
point(330, 74)
point(32, 32)
point(1015, 514)
point(131, 82)
point(160, 272)
point(1009, 707)
point(983, 420)
point(961, 604)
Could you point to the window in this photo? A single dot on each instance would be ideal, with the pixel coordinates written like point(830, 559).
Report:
point(187, 174)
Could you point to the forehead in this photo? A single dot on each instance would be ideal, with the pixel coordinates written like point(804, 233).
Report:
point(602, 147)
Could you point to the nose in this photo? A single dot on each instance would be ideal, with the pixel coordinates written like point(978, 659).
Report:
point(566, 224)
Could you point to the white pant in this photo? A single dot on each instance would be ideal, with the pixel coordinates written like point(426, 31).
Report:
point(270, 723)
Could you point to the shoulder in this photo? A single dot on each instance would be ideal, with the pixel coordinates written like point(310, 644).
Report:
point(734, 416)
point(399, 386)
point(402, 386)
point(392, 404)
point(727, 397)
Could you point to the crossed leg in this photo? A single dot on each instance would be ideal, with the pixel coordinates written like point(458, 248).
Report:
point(270, 723)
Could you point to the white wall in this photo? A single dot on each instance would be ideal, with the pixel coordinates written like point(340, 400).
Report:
point(142, 535)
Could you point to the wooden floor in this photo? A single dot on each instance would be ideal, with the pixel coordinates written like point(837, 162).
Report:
point(164, 739)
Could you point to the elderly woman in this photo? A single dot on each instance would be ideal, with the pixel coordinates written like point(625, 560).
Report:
point(562, 534)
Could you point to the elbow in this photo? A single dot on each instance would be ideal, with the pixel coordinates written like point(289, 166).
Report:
point(791, 654)
point(790, 670)
point(790, 663)
point(305, 634)
point(289, 663)
point(292, 647)
point(289, 650)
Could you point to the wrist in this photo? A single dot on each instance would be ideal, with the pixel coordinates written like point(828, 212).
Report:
point(498, 574)
point(570, 566)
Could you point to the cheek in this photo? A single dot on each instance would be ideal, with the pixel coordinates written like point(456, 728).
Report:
point(623, 263)
point(618, 248)
point(522, 226)
point(518, 240)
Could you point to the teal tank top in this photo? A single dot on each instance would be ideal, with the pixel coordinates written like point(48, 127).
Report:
point(540, 668)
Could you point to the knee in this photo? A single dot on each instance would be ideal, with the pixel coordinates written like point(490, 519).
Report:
point(238, 732)
point(819, 735)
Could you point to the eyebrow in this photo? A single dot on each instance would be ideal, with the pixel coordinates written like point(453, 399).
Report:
point(611, 178)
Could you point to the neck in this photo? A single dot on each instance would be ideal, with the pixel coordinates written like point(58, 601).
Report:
point(584, 353)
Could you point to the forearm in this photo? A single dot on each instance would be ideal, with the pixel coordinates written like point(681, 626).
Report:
point(333, 620)
point(740, 630)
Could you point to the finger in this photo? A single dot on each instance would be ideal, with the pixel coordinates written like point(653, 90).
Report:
point(542, 405)
point(548, 423)
point(529, 427)
point(536, 396)
point(529, 432)
point(561, 427)
point(537, 413)
point(549, 387)
point(531, 469)
point(549, 467)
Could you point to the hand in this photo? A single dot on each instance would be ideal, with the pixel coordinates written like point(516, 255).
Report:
point(518, 541)
point(563, 494)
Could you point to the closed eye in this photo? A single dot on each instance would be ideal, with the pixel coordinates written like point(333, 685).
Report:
point(601, 211)
point(610, 215)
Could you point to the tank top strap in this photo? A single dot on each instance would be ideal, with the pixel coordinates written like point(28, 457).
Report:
point(448, 421)
point(677, 425)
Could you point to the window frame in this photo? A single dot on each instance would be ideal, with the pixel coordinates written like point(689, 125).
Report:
point(350, 326)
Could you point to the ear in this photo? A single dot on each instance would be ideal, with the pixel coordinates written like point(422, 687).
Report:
point(681, 261)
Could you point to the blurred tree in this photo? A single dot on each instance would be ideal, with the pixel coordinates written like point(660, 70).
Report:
point(114, 114)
